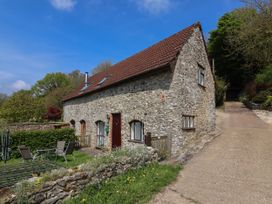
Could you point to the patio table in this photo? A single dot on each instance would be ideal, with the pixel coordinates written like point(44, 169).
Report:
point(44, 152)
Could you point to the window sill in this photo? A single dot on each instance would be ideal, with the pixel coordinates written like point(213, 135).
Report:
point(202, 86)
point(136, 141)
point(188, 129)
point(100, 147)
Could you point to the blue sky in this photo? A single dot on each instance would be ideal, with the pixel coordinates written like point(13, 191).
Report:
point(42, 36)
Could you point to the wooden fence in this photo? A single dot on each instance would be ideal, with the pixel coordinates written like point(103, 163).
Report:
point(84, 141)
point(162, 144)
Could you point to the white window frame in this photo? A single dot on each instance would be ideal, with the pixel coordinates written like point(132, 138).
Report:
point(201, 75)
point(188, 122)
point(134, 125)
point(100, 133)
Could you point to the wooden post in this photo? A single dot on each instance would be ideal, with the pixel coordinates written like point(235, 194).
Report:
point(148, 139)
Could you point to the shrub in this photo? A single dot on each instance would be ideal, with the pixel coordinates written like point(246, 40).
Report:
point(40, 139)
point(220, 91)
point(262, 96)
point(265, 76)
point(268, 103)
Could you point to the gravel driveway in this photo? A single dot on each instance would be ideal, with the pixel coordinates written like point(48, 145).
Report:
point(236, 167)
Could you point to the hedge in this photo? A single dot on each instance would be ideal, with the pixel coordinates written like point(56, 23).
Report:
point(40, 139)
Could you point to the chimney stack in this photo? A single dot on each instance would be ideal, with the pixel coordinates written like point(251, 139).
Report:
point(86, 78)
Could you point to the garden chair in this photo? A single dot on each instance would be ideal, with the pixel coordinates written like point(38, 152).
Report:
point(26, 153)
point(60, 146)
point(69, 150)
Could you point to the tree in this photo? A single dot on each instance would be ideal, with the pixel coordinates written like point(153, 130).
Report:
point(22, 107)
point(228, 64)
point(50, 82)
point(254, 38)
point(3, 98)
point(103, 66)
point(76, 78)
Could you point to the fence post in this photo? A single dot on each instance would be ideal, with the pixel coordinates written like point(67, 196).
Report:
point(148, 139)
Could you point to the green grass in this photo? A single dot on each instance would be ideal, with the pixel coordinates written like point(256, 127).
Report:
point(16, 170)
point(80, 158)
point(135, 186)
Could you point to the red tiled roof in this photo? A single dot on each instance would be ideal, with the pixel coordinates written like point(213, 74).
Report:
point(154, 57)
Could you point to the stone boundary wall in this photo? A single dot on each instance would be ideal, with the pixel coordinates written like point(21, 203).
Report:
point(35, 126)
point(70, 186)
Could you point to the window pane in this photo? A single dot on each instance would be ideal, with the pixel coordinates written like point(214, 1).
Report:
point(138, 131)
point(132, 131)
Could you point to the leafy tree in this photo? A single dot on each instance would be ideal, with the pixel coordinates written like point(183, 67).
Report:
point(103, 66)
point(228, 64)
point(76, 78)
point(50, 82)
point(3, 98)
point(264, 78)
point(22, 107)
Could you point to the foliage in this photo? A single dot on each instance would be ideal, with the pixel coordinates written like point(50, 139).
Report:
point(262, 96)
point(228, 65)
point(265, 76)
point(268, 103)
point(242, 44)
point(135, 186)
point(53, 114)
point(220, 91)
point(41, 139)
point(103, 66)
point(3, 125)
point(22, 106)
point(3, 98)
point(50, 82)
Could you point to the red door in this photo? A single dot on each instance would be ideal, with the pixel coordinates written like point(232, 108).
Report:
point(116, 130)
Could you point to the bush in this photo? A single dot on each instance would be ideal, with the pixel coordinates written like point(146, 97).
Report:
point(268, 103)
point(41, 139)
point(262, 96)
point(220, 91)
point(265, 76)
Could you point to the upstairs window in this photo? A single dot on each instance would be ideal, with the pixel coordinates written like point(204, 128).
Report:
point(201, 75)
point(188, 122)
point(137, 130)
point(100, 131)
point(102, 81)
point(82, 128)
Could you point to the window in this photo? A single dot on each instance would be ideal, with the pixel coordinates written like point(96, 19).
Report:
point(137, 130)
point(201, 75)
point(72, 123)
point(103, 80)
point(100, 131)
point(188, 122)
point(82, 128)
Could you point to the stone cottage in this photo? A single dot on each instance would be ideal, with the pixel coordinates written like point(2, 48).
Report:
point(166, 90)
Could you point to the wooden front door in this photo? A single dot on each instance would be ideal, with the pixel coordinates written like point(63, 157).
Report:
point(116, 130)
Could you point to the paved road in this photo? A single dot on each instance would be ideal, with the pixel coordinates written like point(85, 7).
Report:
point(236, 167)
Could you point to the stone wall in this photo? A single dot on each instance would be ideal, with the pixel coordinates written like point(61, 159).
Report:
point(159, 100)
point(35, 126)
point(71, 185)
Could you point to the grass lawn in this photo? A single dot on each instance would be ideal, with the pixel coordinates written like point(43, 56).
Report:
point(16, 169)
point(135, 186)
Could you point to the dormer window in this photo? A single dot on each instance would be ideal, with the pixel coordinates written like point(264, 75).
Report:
point(102, 81)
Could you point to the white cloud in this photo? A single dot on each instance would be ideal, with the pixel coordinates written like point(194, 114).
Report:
point(154, 6)
point(20, 84)
point(66, 5)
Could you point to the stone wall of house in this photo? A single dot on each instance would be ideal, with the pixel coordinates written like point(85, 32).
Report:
point(187, 97)
point(69, 186)
point(141, 99)
point(35, 126)
point(158, 100)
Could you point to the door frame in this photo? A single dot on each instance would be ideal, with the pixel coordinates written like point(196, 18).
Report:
point(111, 132)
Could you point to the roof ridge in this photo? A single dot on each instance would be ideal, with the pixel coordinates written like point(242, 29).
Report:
point(153, 57)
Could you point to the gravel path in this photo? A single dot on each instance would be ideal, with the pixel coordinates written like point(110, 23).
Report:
point(235, 168)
